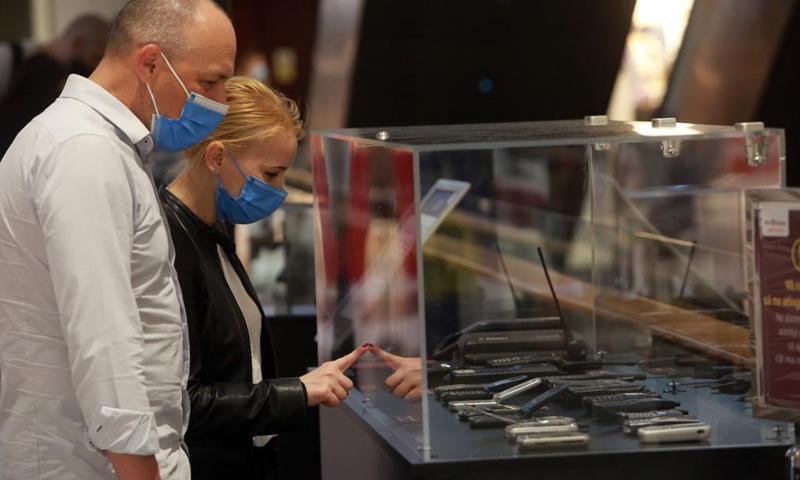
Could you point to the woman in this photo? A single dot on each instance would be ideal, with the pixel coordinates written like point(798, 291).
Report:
point(236, 175)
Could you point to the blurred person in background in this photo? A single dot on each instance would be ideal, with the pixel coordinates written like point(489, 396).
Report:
point(12, 54)
point(254, 65)
point(39, 79)
point(236, 175)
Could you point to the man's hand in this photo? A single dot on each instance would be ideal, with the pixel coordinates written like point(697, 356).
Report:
point(134, 467)
point(406, 381)
point(327, 385)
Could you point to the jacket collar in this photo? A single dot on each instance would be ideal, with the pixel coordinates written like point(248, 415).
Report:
point(215, 233)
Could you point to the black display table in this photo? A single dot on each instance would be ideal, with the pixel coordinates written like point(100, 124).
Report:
point(377, 438)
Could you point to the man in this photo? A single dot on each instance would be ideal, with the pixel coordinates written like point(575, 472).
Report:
point(93, 346)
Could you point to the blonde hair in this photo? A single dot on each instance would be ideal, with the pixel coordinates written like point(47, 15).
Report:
point(256, 112)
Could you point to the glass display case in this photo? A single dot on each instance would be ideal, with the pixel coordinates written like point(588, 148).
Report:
point(607, 256)
point(278, 253)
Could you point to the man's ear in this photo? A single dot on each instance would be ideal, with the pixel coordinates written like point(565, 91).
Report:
point(146, 59)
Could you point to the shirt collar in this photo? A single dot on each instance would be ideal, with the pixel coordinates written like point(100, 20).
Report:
point(92, 94)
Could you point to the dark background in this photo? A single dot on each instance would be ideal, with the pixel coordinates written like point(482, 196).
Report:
point(471, 61)
point(422, 62)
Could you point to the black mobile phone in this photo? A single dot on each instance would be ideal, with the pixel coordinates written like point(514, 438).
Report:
point(488, 374)
point(583, 391)
point(497, 386)
point(609, 410)
point(527, 410)
point(475, 394)
point(590, 402)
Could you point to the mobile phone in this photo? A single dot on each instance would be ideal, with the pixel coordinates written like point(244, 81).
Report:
point(591, 402)
point(609, 410)
point(489, 374)
point(504, 410)
point(557, 425)
point(521, 359)
point(622, 416)
point(485, 421)
point(556, 440)
point(488, 387)
point(580, 392)
point(540, 401)
point(516, 390)
point(692, 432)
point(448, 397)
point(463, 404)
point(632, 427)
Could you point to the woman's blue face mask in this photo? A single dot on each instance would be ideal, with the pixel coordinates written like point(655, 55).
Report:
point(258, 199)
point(199, 117)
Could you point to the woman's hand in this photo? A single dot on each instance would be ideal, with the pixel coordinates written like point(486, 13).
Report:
point(406, 381)
point(327, 385)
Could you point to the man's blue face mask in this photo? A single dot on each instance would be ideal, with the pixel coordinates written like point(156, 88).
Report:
point(258, 199)
point(199, 117)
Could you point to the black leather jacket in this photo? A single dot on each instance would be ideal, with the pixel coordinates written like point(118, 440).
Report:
point(227, 408)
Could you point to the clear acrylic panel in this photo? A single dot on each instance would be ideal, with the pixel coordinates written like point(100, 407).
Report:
point(669, 239)
point(278, 253)
point(366, 269)
point(430, 243)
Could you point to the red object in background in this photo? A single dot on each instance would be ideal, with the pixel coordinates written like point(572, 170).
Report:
point(358, 221)
point(322, 199)
point(403, 164)
point(344, 234)
point(347, 251)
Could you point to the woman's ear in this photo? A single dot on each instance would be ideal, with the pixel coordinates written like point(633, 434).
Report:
point(215, 155)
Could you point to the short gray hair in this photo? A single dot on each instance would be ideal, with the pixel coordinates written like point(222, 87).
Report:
point(162, 22)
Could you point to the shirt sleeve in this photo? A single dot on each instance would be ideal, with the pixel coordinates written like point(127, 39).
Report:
point(85, 204)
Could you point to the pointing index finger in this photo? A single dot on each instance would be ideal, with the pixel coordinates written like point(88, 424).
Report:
point(348, 360)
point(385, 356)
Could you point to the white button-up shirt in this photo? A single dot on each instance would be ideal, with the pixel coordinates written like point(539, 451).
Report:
point(93, 341)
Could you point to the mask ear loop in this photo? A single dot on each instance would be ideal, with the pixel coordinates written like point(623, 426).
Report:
point(155, 105)
point(236, 162)
point(169, 65)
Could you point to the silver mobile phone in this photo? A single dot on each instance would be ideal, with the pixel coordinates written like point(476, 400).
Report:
point(462, 404)
point(517, 389)
point(530, 428)
point(558, 440)
point(632, 427)
point(690, 432)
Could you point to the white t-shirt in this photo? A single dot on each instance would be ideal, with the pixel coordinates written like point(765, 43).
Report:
point(252, 316)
